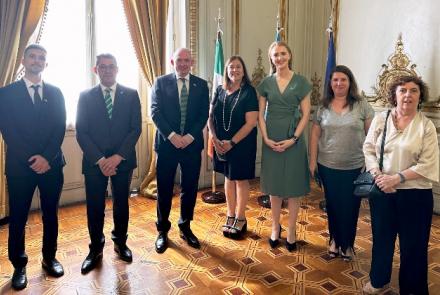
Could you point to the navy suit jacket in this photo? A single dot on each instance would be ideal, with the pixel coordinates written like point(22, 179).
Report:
point(99, 136)
point(28, 132)
point(165, 112)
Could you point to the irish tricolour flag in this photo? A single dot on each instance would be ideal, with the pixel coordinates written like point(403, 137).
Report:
point(219, 63)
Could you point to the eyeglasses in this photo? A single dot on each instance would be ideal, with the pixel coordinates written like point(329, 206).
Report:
point(107, 67)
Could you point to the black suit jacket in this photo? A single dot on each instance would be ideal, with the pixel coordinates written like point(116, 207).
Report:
point(28, 132)
point(165, 111)
point(99, 136)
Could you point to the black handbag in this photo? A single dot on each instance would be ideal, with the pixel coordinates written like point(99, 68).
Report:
point(364, 184)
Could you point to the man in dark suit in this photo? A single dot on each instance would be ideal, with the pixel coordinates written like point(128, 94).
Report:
point(33, 123)
point(179, 108)
point(108, 125)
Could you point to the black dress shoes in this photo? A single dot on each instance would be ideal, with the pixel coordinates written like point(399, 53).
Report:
point(19, 280)
point(190, 238)
point(124, 253)
point(161, 242)
point(91, 261)
point(53, 267)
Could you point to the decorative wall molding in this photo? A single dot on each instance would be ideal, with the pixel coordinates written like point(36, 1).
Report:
point(259, 71)
point(194, 33)
point(236, 27)
point(283, 12)
point(315, 96)
point(335, 20)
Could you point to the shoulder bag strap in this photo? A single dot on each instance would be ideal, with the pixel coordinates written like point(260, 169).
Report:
point(382, 146)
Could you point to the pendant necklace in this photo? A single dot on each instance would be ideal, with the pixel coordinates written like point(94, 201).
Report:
point(232, 109)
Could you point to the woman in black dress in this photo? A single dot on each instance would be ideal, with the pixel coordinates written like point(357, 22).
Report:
point(232, 123)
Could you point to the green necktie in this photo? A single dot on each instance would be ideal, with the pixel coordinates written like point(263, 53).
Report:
point(108, 102)
point(183, 104)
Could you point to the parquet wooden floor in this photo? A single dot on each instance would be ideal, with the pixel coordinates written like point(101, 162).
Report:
point(221, 266)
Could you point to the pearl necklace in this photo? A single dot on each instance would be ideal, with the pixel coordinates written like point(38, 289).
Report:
point(232, 109)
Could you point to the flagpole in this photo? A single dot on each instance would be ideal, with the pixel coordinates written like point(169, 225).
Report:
point(331, 63)
point(214, 196)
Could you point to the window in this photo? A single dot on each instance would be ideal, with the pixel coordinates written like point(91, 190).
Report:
point(70, 37)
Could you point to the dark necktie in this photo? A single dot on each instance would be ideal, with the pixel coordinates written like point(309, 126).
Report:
point(108, 102)
point(183, 104)
point(37, 98)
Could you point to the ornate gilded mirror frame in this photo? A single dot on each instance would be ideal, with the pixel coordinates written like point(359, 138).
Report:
point(398, 65)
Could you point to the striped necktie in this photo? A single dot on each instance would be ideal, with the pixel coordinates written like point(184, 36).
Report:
point(108, 101)
point(183, 104)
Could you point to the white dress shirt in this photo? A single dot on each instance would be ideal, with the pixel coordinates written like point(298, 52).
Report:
point(31, 90)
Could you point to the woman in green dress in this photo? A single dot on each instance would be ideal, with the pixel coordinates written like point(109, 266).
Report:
point(284, 110)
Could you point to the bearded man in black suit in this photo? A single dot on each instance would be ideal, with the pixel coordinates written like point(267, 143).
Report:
point(179, 109)
point(33, 124)
point(108, 126)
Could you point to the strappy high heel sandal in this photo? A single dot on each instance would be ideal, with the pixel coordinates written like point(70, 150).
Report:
point(333, 252)
point(226, 228)
point(348, 254)
point(239, 228)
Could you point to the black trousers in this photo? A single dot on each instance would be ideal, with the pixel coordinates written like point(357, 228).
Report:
point(342, 205)
point(21, 190)
point(407, 213)
point(96, 186)
point(166, 166)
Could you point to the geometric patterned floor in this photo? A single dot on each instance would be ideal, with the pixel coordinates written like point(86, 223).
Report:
point(221, 266)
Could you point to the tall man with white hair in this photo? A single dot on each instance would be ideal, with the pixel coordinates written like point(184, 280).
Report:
point(179, 109)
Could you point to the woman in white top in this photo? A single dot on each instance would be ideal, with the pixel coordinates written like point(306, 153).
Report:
point(410, 165)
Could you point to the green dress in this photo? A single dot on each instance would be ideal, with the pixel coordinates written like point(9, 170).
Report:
point(284, 174)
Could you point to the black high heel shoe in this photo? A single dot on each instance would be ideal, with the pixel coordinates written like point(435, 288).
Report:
point(274, 243)
point(226, 228)
point(291, 246)
point(236, 232)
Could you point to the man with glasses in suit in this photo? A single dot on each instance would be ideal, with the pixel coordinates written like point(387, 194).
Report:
point(108, 126)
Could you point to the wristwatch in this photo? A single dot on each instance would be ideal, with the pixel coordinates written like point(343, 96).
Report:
point(402, 177)
point(232, 143)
